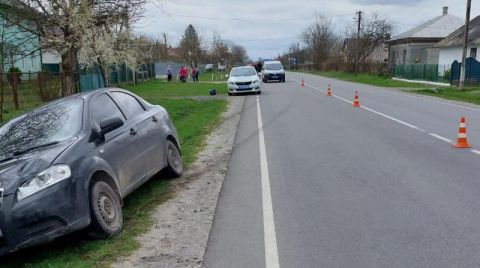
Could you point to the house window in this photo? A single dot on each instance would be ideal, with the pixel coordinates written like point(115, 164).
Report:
point(404, 57)
point(473, 52)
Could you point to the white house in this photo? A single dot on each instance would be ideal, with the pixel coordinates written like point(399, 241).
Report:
point(451, 47)
point(416, 46)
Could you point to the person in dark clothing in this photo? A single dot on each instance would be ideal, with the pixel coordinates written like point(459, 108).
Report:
point(169, 73)
point(194, 74)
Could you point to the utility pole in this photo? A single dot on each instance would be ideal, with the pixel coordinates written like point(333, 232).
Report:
point(465, 46)
point(359, 20)
point(297, 55)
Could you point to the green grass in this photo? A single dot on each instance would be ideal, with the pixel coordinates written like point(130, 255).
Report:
point(368, 79)
point(27, 98)
point(212, 76)
point(193, 120)
point(471, 95)
point(175, 89)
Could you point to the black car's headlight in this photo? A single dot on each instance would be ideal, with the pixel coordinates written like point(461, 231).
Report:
point(43, 180)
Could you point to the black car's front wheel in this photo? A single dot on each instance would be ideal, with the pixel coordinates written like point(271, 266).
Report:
point(106, 211)
point(174, 160)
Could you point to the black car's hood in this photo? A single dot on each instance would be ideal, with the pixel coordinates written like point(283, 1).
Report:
point(21, 168)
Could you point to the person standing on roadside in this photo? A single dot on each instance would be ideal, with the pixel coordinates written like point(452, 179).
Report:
point(194, 74)
point(169, 73)
point(183, 74)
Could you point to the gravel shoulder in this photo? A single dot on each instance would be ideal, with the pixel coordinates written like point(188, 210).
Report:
point(182, 224)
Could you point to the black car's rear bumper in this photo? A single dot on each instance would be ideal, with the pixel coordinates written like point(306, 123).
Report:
point(43, 216)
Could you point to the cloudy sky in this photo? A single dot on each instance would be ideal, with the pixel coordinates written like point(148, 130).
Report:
point(267, 28)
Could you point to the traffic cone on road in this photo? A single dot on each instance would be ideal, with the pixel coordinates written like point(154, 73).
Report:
point(462, 135)
point(303, 82)
point(329, 91)
point(356, 102)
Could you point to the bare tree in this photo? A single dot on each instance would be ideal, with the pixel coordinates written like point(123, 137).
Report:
point(320, 38)
point(238, 55)
point(374, 32)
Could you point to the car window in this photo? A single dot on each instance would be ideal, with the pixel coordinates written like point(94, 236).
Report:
point(53, 123)
point(236, 72)
point(130, 103)
point(104, 107)
point(273, 66)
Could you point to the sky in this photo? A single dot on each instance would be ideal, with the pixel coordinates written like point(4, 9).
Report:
point(267, 28)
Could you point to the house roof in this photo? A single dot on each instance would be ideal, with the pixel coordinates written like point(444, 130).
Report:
point(438, 27)
point(457, 38)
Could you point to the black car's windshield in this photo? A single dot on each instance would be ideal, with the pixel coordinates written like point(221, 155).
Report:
point(273, 66)
point(54, 123)
point(243, 72)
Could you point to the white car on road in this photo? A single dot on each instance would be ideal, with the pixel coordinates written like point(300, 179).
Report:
point(243, 80)
point(273, 71)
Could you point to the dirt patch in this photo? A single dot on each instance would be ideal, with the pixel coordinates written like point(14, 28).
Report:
point(182, 224)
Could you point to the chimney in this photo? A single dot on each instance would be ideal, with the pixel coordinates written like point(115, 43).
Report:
point(445, 10)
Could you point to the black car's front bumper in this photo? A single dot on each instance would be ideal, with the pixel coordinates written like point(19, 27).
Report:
point(50, 213)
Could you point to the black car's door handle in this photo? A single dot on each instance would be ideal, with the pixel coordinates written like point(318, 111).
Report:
point(133, 132)
point(154, 119)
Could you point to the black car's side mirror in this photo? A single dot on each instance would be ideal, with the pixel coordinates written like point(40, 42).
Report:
point(106, 126)
point(110, 124)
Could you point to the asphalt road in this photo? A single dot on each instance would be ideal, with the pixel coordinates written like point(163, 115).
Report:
point(378, 186)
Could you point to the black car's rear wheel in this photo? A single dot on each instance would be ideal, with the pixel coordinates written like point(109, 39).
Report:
point(106, 211)
point(174, 160)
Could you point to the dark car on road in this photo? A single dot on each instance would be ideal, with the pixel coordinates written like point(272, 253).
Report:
point(68, 165)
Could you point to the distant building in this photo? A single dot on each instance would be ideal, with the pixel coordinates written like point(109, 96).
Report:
point(417, 45)
point(20, 47)
point(174, 52)
point(451, 47)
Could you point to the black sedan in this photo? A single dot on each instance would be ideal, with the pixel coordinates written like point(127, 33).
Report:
point(68, 165)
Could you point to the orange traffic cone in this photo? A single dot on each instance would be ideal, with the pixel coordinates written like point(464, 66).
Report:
point(329, 91)
point(462, 135)
point(303, 82)
point(356, 103)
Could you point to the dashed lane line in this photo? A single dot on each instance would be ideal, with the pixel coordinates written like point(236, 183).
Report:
point(395, 119)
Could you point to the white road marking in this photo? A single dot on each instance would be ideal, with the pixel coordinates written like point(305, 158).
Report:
point(391, 118)
point(475, 151)
point(270, 239)
point(370, 110)
point(441, 138)
point(398, 120)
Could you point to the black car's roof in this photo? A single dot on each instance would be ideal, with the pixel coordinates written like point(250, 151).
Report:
point(83, 95)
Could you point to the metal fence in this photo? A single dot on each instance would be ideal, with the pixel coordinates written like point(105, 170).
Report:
point(24, 91)
point(472, 73)
point(423, 72)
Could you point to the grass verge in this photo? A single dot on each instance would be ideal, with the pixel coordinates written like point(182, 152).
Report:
point(193, 120)
point(162, 88)
point(471, 95)
point(368, 79)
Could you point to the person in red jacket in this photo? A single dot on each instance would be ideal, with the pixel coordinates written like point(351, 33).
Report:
point(183, 74)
